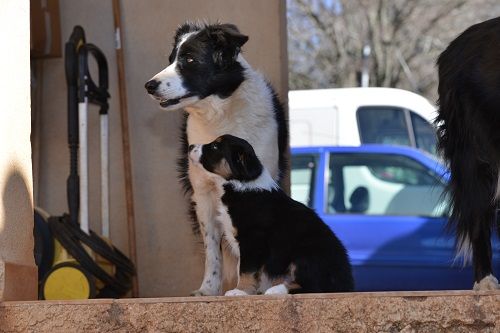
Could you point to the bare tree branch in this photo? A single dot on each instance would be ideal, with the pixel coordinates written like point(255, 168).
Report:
point(326, 38)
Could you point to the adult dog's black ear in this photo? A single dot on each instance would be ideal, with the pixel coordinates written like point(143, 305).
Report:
point(228, 42)
point(245, 165)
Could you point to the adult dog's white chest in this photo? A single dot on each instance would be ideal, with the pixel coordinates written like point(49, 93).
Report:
point(248, 114)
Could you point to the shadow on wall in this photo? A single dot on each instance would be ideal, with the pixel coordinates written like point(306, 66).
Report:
point(18, 279)
point(16, 224)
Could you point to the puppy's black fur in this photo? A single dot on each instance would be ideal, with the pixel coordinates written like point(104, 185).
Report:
point(275, 232)
point(469, 136)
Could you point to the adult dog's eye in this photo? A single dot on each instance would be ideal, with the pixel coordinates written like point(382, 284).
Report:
point(214, 146)
point(189, 60)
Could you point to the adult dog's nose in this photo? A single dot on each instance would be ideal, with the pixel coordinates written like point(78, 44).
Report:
point(151, 86)
point(191, 147)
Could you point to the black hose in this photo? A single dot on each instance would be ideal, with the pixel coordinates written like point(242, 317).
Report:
point(72, 238)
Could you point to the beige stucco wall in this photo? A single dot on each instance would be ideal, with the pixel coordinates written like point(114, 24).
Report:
point(17, 269)
point(170, 259)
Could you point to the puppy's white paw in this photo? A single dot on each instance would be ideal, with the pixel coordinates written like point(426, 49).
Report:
point(235, 292)
point(487, 283)
point(279, 289)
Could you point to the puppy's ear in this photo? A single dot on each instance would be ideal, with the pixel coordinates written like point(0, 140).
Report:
point(245, 165)
point(228, 42)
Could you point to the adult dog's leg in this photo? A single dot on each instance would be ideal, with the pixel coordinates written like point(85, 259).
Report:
point(481, 247)
point(474, 214)
point(475, 218)
point(212, 284)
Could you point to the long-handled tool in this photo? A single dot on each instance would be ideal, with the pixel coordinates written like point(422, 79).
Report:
point(89, 92)
point(127, 159)
point(85, 265)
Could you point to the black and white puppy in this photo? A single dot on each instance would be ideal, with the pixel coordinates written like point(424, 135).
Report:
point(282, 244)
point(221, 93)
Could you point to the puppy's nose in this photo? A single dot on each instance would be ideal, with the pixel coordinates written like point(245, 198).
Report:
point(191, 147)
point(151, 86)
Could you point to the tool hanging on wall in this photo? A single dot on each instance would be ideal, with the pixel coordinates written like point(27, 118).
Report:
point(127, 159)
point(85, 265)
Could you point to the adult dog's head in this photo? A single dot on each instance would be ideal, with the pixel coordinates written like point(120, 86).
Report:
point(203, 62)
point(229, 157)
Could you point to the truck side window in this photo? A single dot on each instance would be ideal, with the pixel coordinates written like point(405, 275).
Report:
point(383, 125)
point(425, 134)
point(383, 184)
point(303, 174)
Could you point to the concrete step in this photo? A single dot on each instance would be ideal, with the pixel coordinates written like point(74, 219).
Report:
point(443, 311)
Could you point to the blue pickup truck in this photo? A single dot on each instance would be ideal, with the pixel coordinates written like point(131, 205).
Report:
point(386, 204)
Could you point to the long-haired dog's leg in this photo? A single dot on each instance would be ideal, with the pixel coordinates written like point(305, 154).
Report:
point(472, 190)
point(484, 279)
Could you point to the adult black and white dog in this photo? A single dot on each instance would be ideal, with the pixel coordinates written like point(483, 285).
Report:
point(469, 137)
point(282, 244)
point(220, 93)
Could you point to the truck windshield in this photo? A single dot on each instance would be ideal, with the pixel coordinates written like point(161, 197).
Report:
point(395, 126)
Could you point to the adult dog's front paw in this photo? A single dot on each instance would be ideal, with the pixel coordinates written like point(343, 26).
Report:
point(203, 292)
point(235, 292)
point(487, 283)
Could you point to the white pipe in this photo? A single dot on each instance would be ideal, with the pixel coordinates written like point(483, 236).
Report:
point(83, 165)
point(104, 175)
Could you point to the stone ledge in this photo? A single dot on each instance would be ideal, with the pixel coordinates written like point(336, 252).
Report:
point(450, 311)
point(18, 282)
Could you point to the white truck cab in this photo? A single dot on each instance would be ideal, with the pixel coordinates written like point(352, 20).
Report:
point(354, 116)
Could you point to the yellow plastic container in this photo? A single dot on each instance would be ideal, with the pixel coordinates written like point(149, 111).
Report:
point(67, 280)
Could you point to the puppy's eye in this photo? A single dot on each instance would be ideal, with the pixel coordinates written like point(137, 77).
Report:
point(214, 146)
point(189, 60)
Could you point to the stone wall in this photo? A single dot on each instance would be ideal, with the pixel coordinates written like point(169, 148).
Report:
point(432, 312)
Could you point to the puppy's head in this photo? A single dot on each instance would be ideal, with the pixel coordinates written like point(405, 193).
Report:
point(229, 157)
point(203, 62)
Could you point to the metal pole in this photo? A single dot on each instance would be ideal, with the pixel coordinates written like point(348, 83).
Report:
point(104, 175)
point(84, 165)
